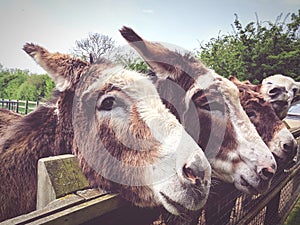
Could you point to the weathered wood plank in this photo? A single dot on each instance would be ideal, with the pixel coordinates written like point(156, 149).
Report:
point(83, 212)
point(55, 206)
point(88, 194)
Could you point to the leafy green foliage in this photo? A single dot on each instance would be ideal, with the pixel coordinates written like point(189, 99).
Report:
point(139, 66)
point(20, 84)
point(257, 50)
point(130, 60)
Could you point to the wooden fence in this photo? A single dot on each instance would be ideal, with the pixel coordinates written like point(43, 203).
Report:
point(19, 106)
point(89, 206)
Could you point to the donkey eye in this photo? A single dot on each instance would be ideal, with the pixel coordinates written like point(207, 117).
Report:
point(107, 104)
point(295, 90)
point(251, 115)
point(213, 106)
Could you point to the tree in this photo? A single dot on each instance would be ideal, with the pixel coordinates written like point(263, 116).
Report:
point(257, 50)
point(36, 88)
point(139, 66)
point(96, 46)
point(20, 84)
point(10, 80)
point(129, 59)
point(28, 92)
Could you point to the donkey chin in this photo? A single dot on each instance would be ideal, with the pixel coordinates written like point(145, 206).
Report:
point(180, 197)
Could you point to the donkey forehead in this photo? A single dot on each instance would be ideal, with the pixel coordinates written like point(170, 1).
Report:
point(132, 83)
point(221, 84)
point(279, 80)
point(141, 92)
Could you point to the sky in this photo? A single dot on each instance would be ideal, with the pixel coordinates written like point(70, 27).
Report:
point(57, 24)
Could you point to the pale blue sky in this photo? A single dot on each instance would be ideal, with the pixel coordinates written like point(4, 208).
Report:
point(57, 24)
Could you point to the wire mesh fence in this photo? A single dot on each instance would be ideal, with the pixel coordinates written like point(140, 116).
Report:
point(227, 206)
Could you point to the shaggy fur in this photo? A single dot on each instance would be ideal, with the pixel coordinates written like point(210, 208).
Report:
point(18, 170)
point(7, 118)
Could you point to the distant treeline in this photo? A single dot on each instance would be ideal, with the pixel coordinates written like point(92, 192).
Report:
point(251, 52)
point(257, 49)
point(21, 84)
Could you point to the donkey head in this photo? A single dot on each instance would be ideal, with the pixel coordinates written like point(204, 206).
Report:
point(209, 108)
point(272, 130)
point(125, 138)
point(280, 91)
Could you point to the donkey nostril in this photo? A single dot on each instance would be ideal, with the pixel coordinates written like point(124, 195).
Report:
point(290, 148)
point(276, 91)
point(192, 174)
point(267, 173)
point(188, 173)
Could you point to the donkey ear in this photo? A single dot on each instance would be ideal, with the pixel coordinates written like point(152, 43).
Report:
point(63, 69)
point(233, 79)
point(298, 85)
point(162, 61)
point(258, 88)
point(151, 52)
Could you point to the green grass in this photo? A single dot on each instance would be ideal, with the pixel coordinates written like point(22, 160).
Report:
point(294, 216)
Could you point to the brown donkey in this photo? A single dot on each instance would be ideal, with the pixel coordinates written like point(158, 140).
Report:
point(208, 106)
point(114, 121)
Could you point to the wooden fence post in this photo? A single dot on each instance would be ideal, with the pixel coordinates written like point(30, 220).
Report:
point(17, 110)
point(26, 107)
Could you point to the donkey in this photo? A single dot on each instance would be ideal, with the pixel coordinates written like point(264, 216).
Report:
point(272, 130)
point(126, 140)
point(209, 108)
point(281, 91)
point(7, 118)
point(218, 111)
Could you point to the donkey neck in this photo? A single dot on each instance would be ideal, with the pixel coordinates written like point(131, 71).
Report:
point(64, 130)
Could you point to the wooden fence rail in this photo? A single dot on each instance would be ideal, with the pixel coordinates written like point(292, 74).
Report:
point(19, 106)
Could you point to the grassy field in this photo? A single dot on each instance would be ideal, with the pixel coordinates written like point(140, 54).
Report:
point(294, 217)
